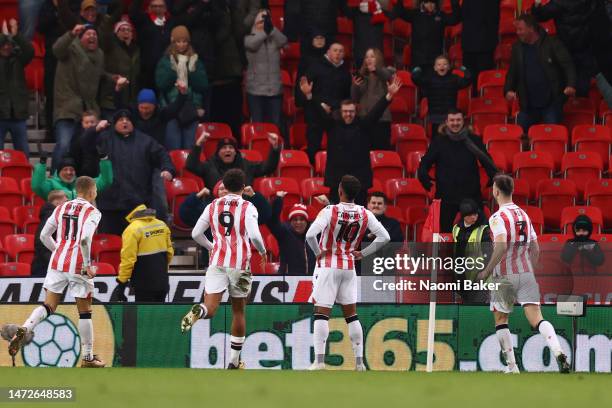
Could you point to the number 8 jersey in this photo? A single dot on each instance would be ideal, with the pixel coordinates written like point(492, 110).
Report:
point(343, 227)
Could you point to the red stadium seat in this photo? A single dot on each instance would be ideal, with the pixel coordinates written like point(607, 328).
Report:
point(503, 55)
point(413, 161)
point(290, 56)
point(26, 219)
point(415, 218)
point(455, 53)
point(106, 248)
point(7, 226)
point(377, 185)
point(104, 269)
point(554, 238)
point(593, 138)
point(551, 139)
point(408, 92)
point(569, 214)
point(20, 247)
point(255, 136)
point(14, 269)
point(294, 164)
point(297, 136)
point(408, 138)
point(312, 187)
point(320, 163)
point(10, 195)
point(217, 131)
point(386, 164)
point(400, 110)
point(406, 193)
point(553, 196)
point(578, 111)
point(581, 167)
point(272, 246)
point(500, 161)
point(504, 139)
point(14, 164)
point(533, 167)
point(28, 194)
point(177, 191)
point(599, 194)
point(536, 216)
point(491, 83)
point(270, 185)
point(488, 111)
point(179, 158)
point(251, 155)
point(521, 192)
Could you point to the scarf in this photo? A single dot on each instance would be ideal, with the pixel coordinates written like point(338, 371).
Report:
point(183, 65)
point(463, 136)
point(158, 21)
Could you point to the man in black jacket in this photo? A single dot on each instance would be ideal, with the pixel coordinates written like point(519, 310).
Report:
point(428, 24)
point(228, 157)
point(455, 153)
point(348, 150)
point(135, 156)
point(332, 84)
point(582, 253)
point(42, 255)
point(574, 23)
point(480, 34)
point(541, 74)
point(296, 258)
point(378, 205)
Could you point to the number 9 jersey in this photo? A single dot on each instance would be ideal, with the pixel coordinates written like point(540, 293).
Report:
point(342, 227)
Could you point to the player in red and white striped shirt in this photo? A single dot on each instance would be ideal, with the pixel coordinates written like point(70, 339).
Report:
point(233, 222)
point(515, 251)
point(74, 223)
point(341, 227)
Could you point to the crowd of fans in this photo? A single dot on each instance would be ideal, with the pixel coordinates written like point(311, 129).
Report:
point(127, 82)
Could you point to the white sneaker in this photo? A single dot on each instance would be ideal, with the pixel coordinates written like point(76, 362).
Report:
point(512, 370)
point(317, 366)
point(361, 367)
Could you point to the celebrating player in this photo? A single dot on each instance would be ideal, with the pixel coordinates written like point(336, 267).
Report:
point(342, 227)
point(75, 222)
point(233, 222)
point(515, 247)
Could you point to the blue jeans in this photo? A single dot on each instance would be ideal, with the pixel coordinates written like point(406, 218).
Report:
point(178, 137)
point(266, 109)
point(552, 114)
point(64, 129)
point(28, 17)
point(19, 134)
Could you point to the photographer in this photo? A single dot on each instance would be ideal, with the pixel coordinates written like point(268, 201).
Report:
point(582, 253)
point(263, 80)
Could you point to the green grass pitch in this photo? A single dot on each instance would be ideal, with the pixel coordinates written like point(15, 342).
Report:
point(177, 388)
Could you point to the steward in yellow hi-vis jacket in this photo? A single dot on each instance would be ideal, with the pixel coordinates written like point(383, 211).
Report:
point(145, 256)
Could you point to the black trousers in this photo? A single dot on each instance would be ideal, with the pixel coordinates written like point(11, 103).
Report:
point(314, 132)
point(226, 105)
point(113, 222)
point(150, 295)
point(477, 62)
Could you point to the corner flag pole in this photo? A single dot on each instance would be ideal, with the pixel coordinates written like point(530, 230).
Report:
point(431, 324)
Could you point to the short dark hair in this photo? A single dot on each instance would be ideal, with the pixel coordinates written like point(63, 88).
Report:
point(84, 184)
point(348, 102)
point(529, 20)
point(453, 111)
point(89, 113)
point(234, 180)
point(351, 186)
point(378, 194)
point(504, 183)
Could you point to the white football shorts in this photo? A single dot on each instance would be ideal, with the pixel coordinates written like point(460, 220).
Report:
point(330, 285)
point(521, 287)
point(79, 286)
point(236, 281)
